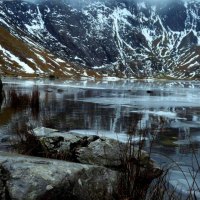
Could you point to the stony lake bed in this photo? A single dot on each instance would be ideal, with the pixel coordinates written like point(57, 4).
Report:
point(167, 113)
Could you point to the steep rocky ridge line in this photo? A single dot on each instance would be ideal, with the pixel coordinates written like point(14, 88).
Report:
point(120, 37)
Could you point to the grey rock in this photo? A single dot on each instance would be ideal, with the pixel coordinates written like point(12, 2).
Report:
point(106, 152)
point(113, 154)
point(97, 150)
point(43, 131)
point(31, 178)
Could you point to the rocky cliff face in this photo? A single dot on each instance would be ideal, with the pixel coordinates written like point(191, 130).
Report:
point(125, 38)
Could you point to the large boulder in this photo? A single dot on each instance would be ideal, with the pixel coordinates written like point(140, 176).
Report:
point(32, 178)
point(96, 150)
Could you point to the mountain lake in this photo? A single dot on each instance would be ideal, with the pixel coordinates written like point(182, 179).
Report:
point(166, 113)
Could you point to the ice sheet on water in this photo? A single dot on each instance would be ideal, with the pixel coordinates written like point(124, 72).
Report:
point(195, 138)
point(176, 87)
point(43, 131)
point(184, 124)
point(167, 114)
point(182, 142)
point(25, 83)
point(122, 137)
point(102, 133)
point(188, 141)
point(183, 181)
point(146, 101)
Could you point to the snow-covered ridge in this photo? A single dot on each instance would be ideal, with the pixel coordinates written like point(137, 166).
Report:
point(169, 47)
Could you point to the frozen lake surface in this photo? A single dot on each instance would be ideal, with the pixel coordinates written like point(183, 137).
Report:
point(168, 111)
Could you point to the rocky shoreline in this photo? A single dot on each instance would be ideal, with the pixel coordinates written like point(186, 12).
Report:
point(92, 168)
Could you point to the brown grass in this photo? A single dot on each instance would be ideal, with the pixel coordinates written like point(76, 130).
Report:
point(23, 50)
point(28, 143)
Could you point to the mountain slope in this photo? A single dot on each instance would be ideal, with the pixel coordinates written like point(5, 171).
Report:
point(123, 38)
point(22, 55)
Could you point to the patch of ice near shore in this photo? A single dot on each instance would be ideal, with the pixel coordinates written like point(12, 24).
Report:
point(184, 183)
point(122, 137)
point(167, 114)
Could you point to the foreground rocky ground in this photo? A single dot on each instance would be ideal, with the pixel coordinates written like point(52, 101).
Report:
point(25, 178)
point(93, 167)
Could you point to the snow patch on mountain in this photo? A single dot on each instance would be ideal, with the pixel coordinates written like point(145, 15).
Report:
point(37, 23)
point(40, 57)
point(14, 58)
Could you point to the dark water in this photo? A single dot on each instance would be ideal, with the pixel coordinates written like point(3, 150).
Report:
point(169, 112)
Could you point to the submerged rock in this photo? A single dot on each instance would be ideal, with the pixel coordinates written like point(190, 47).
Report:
point(31, 178)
